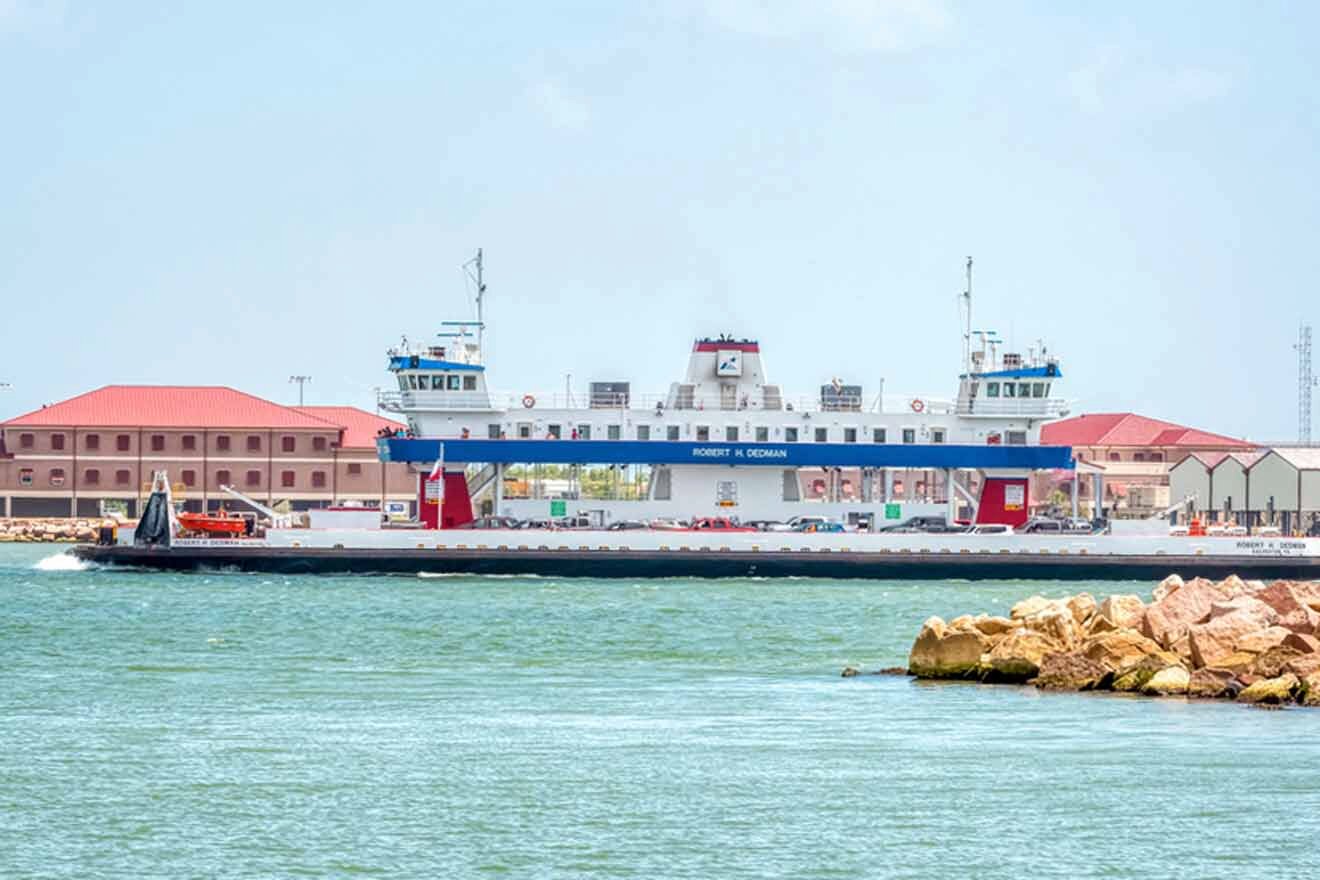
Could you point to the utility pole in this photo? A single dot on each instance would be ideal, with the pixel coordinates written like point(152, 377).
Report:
point(301, 381)
point(1305, 382)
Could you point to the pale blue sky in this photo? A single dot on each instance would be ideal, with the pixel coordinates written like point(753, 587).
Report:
point(231, 193)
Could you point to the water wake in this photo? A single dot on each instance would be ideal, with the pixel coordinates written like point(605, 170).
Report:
point(61, 562)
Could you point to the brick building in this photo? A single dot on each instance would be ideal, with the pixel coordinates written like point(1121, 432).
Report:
point(99, 450)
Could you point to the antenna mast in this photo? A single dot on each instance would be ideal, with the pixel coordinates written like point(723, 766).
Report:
point(1305, 382)
point(479, 279)
point(967, 319)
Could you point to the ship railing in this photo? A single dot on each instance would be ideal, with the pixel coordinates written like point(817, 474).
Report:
point(1033, 407)
point(478, 401)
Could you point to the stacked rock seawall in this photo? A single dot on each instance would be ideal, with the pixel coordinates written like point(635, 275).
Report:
point(1231, 639)
point(32, 531)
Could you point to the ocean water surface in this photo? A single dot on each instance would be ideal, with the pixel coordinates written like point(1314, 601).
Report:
point(205, 725)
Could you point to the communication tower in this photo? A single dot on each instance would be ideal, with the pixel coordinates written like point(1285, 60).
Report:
point(1305, 382)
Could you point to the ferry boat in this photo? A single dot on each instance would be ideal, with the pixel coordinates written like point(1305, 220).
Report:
point(725, 444)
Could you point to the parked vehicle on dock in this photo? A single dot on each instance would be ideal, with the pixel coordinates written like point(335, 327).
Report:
point(718, 524)
point(627, 525)
point(492, 522)
point(819, 527)
point(925, 525)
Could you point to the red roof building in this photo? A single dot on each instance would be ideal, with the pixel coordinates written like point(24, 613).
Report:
point(1133, 453)
point(98, 451)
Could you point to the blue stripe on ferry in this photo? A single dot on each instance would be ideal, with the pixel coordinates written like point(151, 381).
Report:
point(419, 363)
point(1051, 371)
point(765, 454)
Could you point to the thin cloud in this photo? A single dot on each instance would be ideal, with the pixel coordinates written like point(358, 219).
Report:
point(561, 109)
point(841, 25)
point(1115, 80)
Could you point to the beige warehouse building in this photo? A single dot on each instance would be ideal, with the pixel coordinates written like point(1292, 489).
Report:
point(1277, 486)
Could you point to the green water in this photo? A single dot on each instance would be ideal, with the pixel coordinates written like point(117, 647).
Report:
point(255, 726)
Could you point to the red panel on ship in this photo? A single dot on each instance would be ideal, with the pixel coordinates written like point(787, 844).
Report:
point(1003, 501)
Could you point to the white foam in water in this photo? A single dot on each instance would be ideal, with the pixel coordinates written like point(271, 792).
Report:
point(61, 562)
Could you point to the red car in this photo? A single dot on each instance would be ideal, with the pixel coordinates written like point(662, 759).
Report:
point(717, 524)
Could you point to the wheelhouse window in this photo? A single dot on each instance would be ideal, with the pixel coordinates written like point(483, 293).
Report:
point(991, 389)
point(1038, 389)
point(92, 442)
point(1010, 390)
point(469, 383)
point(731, 433)
point(909, 435)
point(437, 383)
point(455, 382)
point(878, 435)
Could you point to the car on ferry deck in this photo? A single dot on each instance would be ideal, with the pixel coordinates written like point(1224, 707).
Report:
point(718, 524)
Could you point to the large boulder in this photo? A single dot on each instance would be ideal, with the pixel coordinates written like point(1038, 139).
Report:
point(1123, 611)
point(1169, 681)
point(1118, 649)
point(1262, 640)
point(1310, 690)
point(1069, 671)
point(940, 652)
point(1249, 604)
point(1304, 665)
point(1302, 643)
point(1030, 606)
point(1168, 586)
point(1219, 636)
point(1274, 662)
point(1212, 684)
point(992, 626)
point(1134, 676)
point(1271, 691)
point(1290, 600)
point(1169, 618)
point(1082, 607)
point(1018, 655)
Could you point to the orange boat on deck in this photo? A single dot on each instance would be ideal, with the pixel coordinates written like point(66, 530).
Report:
point(213, 524)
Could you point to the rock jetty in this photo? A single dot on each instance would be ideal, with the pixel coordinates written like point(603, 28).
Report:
point(1243, 640)
point(33, 531)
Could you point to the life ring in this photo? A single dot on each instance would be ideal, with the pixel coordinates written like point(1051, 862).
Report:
point(529, 401)
point(918, 405)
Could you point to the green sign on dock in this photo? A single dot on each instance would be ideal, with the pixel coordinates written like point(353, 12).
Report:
point(559, 508)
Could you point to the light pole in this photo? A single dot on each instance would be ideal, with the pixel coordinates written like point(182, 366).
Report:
point(301, 380)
